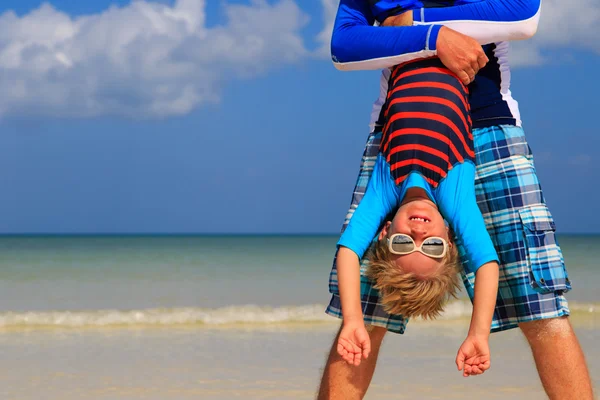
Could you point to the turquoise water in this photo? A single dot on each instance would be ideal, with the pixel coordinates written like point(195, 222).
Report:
point(225, 318)
point(79, 281)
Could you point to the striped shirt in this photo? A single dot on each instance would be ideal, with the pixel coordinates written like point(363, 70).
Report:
point(427, 127)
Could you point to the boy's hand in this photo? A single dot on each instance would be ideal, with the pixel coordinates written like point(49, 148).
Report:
point(473, 357)
point(354, 342)
point(404, 19)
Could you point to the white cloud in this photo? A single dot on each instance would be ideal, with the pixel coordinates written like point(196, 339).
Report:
point(563, 27)
point(324, 38)
point(145, 59)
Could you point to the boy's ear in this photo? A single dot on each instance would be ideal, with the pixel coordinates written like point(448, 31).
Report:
point(385, 230)
point(450, 236)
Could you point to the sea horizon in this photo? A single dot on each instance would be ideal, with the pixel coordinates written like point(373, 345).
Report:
point(185, 234)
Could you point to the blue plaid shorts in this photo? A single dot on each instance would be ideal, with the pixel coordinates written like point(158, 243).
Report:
point(533, 278)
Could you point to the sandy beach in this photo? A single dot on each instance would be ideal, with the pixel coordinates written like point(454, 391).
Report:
point(272, 362)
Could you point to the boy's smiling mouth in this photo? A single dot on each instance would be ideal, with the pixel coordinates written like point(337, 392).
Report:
point(419, 218)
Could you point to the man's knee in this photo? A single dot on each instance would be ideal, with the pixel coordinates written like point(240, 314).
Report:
point(547, 329)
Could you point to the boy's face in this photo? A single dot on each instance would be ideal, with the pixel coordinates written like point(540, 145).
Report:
point(419, 218)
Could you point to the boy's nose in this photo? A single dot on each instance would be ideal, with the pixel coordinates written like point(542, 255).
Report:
point(419, 232)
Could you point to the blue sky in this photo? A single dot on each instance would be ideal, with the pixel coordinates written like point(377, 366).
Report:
point(228, 117)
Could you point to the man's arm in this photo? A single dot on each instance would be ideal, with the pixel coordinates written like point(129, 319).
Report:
point(486, 21)
point(358, 45)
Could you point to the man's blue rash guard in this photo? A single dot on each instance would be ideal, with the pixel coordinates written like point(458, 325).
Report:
point(358, 45)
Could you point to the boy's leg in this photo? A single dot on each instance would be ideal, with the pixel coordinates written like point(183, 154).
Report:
point(533, 278)
point(341, 381)
point(559, 359)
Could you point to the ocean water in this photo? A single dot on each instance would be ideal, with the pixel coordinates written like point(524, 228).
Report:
point(203, 280)
point(227, 317)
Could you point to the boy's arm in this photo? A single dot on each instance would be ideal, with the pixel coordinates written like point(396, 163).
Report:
point(458, 205)
point(353, 342)
point(378, 200)
point(473, 357)
point(348, 268)
point(358, 45)
point(484, 302)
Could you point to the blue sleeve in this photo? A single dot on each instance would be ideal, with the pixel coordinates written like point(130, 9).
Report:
point(486, 21)
point(485, 10)
point(457, 204)
point(358, 45)
point(379, 199)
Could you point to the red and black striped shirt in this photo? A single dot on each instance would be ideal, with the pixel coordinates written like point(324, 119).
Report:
point(426, 121)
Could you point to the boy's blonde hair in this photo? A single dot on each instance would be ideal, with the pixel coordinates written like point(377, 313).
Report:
point(405, 294)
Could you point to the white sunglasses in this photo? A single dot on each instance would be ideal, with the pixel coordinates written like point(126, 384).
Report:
point(434, 247)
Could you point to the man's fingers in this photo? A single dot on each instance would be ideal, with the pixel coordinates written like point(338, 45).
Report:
point(464, 77)
point(470, 73)
point(482, 60)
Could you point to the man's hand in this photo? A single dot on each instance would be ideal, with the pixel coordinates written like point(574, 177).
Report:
point(461, 54)
point(473, 357)
point(354, 342)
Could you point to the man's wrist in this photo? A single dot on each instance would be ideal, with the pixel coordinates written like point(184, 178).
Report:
point(432, 36)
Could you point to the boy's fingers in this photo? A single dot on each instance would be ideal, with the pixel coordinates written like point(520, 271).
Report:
point(366, 353)
point(475, 370)
point(366, 348)
point(460, 361)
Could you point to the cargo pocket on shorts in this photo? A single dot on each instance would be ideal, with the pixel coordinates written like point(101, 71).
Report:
point(547, 267)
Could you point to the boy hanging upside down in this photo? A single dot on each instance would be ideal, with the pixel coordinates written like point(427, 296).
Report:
point(425, 169)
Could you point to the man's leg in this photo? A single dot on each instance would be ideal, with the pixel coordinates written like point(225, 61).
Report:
point(346, 382)
point(533, 277)
point(559, 359)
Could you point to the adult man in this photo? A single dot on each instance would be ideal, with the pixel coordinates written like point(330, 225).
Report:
point(531, 286)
